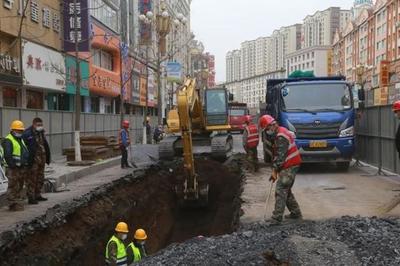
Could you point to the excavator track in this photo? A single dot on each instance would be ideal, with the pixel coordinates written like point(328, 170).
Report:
point(166, 147)
point(221, 146)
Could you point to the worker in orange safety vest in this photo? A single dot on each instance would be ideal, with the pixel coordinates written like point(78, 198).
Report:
point(250, 142)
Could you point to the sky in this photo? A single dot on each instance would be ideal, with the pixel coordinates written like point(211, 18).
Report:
point(223, 24)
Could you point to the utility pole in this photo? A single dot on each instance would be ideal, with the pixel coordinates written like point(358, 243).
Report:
point(123, 25)
point(147, 97)
point(77, 143)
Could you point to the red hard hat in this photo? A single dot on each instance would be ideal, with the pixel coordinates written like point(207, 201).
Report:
point(396, 106)
point(247, 118)
point(125, 123)
point(265, 121)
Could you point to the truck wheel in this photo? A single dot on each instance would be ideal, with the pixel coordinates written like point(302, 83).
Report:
point(343, 166)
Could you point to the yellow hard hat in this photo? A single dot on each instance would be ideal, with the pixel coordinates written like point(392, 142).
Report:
point(140, 234)
point(17, 125)
point(121, 228)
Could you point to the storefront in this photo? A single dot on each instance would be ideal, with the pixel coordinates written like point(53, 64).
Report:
point(104, 72)
point(66, 102)
point(43, 76)
point(10, 80)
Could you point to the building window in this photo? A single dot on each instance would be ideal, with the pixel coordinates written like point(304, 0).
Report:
point(34, 99)
point(46, 17)
point(8, 4)
point(34, 11)
point(312, 63)
point(9, 97)
point(102, 59)
point(104, 13)
point(56, 22)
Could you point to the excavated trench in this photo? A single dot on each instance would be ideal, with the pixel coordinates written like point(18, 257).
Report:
point(147, 202)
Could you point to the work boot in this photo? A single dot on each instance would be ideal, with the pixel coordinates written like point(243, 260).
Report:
point(32, 201)
point(274, 222)
point(16, 207)
point(292, 216)
point(41, 198)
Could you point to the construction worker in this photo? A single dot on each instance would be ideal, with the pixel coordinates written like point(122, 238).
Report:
point(396, 110)
point(124, 143)
point(116, 249)
point(136, 250)
point(40, 155)
point(285, 164)
point(250, 142)
point(16, 155)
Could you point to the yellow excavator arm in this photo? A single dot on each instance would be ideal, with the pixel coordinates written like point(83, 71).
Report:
point(208, 123)
point(189, 108)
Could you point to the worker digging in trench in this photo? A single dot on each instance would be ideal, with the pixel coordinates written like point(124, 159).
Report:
point(285, 164)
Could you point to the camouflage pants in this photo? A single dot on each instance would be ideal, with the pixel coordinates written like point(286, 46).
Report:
point(35, 180)
point(16, 179)
point(252, 158)
point(283, 194)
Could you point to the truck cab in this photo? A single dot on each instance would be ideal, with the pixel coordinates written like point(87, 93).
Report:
point(237, 115)
point(320, 112)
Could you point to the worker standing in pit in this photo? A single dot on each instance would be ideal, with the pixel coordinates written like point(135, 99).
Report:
point(136, 250)
point(250, 142)
point(116, 249)
point(16, 155)
point(396, 110)
point(285, 164)
point(124, 143)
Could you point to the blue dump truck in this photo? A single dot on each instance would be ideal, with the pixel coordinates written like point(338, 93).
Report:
point(320, 112)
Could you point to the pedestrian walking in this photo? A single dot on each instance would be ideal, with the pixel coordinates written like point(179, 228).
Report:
point(124, 143)
point(285, 164)
point(250, 142)
point(39, 151)
point(115, 248)
point(16, 155)
point(396, 110)
point(148, 130)
point(136, 250)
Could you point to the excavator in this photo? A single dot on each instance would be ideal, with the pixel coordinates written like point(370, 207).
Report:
point(199, 121)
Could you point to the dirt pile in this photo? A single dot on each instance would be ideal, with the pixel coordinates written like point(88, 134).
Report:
point(345, 241)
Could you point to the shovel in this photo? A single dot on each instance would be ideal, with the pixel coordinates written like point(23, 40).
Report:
point(268, 198)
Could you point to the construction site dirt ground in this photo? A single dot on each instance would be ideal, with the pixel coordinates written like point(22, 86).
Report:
point(324, 192)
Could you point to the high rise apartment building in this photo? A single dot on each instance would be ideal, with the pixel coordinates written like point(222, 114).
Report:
point(319, 29)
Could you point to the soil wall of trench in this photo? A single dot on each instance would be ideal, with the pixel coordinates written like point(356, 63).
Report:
point(75, 233)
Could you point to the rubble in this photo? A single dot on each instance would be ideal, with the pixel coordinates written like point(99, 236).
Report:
point(343, 241)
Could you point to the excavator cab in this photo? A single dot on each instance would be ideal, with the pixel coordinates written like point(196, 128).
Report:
point(216, 107)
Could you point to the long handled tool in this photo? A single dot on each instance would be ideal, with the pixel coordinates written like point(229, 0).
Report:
point(268, 198)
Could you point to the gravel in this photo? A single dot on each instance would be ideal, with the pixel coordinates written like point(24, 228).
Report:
point(343, 241)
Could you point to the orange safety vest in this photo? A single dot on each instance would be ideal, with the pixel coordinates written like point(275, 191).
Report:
point(120, 136)
point(252, 136)
point(293, 157)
